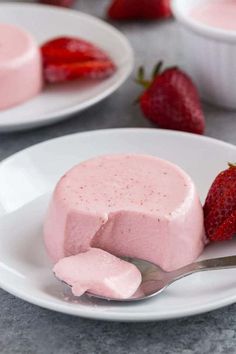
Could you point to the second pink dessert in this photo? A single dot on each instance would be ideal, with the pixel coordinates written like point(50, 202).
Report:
point(20, 66)
point(216, 13)
point(130, 205)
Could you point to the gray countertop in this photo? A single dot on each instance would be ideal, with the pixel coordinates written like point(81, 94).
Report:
point(25, 328)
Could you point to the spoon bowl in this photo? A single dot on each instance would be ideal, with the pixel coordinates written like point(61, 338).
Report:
point(155, 280)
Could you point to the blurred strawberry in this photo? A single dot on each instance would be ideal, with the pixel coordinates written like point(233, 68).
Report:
point(63, 3)
point(139, 9)
point(171, 100)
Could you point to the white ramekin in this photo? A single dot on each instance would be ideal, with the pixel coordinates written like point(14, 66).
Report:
point(210, 55)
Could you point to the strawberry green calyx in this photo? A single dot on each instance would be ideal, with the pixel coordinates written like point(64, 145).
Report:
point(232, 165)
point(141, 78)
point(171, 100)
point(141, 75)
point(157, 69)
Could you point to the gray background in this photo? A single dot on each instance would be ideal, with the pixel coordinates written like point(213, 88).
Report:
point(25, 328)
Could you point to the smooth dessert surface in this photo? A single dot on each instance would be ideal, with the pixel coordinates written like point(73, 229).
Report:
point(130, 205)
point(100, 273)
point(216, 13)
point(15, 43)
point(20, 66)
point(129, 182)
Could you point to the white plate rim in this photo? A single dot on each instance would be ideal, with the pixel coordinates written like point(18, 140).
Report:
point(47, 119)
point(122, 130)
point(120, 317)
point(114, 316)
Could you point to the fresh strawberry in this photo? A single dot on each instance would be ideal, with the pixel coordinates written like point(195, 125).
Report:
point(220, 206)
point(70, 49)
point(63, 3)
point(70, 71)
point(171, 100)
point(139, 9)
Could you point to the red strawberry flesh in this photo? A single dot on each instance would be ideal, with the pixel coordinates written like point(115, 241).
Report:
point(220, 207)
point(70, 71)
point(70, 49)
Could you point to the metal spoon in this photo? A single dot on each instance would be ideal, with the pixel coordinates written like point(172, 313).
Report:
point(155, 280)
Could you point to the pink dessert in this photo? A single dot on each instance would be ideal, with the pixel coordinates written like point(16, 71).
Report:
point(216, 13)
point(20, 66)
point(130, 205)
point(100, 273)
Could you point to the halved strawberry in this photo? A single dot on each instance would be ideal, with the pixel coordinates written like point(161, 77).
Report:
point(220, 206)
point(71, 49)
point(70, 71)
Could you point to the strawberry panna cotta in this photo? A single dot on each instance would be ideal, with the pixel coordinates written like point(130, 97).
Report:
point(110, 204)
point(107, 207)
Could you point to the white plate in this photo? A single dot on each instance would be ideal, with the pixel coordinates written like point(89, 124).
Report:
point(26, 180)
point(59, 101)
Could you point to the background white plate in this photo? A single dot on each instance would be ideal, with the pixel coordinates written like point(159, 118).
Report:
point(26, 180)
point(59, 101)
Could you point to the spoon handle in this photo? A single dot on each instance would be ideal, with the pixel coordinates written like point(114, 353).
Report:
point(216, 263)
point(204, 265)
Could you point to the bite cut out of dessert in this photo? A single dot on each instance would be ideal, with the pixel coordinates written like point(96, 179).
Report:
point(100, 273)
